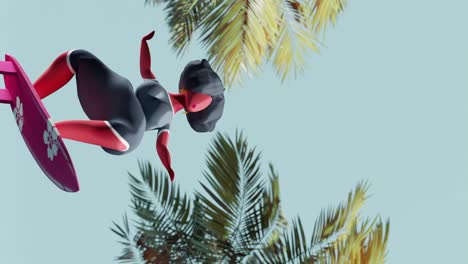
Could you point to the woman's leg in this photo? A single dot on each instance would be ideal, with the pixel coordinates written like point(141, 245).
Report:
point(56, 76)
point(93, 76)
point(95, 132)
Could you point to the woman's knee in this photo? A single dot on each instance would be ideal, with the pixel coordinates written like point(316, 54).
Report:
point(74, 57)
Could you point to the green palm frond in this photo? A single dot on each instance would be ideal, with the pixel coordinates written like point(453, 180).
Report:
point(123, 232)
point(273, 221)
point(163, 211)
point(154, 2)
point(234, 191)
point(202, 239)
point(129, 247)
point(332, 227)
point(239, 219)
point(290, 248)
point(266, 230)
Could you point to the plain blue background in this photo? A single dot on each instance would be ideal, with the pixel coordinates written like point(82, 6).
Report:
point(384, 101)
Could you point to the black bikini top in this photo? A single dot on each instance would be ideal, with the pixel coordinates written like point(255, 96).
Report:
point(156, 104)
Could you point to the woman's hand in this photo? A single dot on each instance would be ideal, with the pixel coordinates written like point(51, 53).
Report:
point(163, 152)
point(145, 58)
point(149, 36)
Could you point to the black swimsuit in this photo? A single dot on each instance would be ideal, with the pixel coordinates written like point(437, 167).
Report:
point(107, 96)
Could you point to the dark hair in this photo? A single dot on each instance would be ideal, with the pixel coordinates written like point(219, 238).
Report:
point(199, 77)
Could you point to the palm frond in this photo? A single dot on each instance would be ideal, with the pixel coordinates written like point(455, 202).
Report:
point(154, 2)
point(364, 245)
point(128, 254)
point(163, 211)
point(349, 248)
point(325, 12)
point(123, 232)
point(234, 189)
point(338, 223)
point(374, 250)
point(203, 241)
point(240, 218)
point(240, 35)
point(272, 223)
point(184, 17)
point(237, 36)
point(332, 227)
point(293, 42)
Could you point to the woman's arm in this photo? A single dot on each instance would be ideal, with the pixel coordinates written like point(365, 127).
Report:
point(145, 58)
point(163, 151)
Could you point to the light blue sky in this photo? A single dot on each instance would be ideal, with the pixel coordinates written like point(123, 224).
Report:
point(384, 101)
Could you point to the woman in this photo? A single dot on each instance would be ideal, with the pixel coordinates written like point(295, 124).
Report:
point(119, 115)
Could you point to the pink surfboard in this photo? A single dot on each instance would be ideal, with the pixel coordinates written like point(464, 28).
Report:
point(36, 126)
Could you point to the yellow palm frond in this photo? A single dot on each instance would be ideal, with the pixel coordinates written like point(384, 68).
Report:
point(293, 41)
point(333, 228)
point(240, 35)
point(301, 10)
point(339, 222)
point(324, 12)
point(375, 248)
point(236, 34)
point(184, 17)
point(364, 245)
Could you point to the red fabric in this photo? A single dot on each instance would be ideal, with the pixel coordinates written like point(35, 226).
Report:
point(145, 58)
point(91, 132)
point(163, 152)
point(55, 77)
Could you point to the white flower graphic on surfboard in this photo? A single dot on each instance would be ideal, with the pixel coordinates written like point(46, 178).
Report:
point(18, 113)
point(50, 139)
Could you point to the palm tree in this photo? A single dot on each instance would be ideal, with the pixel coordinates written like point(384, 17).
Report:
point(236, 217)
point(242, 34)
